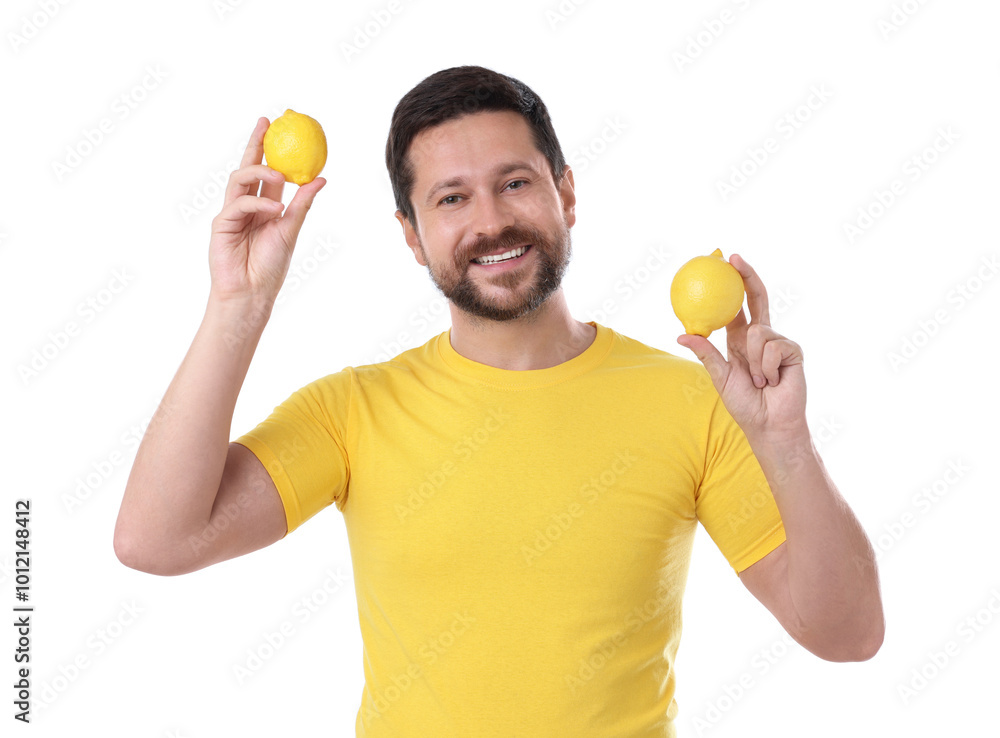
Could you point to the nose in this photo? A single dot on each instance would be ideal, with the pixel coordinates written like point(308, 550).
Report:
point(490, 215)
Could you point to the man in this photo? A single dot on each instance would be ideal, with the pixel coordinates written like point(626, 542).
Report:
point(521, 492)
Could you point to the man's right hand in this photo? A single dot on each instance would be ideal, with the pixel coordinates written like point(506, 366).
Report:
point(252, 242)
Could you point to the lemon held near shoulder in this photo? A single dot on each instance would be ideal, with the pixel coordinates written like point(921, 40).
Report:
point(295, 145)
point(706, 294)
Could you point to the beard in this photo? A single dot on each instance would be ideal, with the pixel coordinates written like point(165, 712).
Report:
point(525, 288)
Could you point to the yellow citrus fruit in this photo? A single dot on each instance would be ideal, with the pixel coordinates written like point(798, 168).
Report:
point(295, 145)
point(706, 294)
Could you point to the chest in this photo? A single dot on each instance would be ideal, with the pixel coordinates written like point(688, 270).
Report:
point(487, 488)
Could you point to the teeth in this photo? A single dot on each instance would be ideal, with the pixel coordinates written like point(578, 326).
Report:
point(512, 254)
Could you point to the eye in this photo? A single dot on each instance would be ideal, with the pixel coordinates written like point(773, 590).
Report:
point(522, 182)
point(453, 198)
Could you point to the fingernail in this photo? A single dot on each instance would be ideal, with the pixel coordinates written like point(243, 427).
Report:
point(758, 381)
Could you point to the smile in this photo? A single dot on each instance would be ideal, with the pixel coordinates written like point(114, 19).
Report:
point(512, 255)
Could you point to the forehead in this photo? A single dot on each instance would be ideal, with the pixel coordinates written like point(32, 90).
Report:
point(470, 144)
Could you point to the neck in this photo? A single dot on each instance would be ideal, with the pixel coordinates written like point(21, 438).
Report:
point(547, 337)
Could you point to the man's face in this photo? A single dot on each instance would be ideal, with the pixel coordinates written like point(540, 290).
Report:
point(481, 187)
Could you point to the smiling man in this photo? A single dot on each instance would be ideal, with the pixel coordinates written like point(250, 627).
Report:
point(521, 492)
point(497, 236)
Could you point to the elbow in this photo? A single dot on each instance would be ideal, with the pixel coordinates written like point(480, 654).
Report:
point(129, 554)
point(860, 646)
point(863, 650)
point(874, 636)
point(124, 549)
point(874, 642)
point(132, 554)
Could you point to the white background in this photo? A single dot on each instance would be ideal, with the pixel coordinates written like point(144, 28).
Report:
point(650, 138)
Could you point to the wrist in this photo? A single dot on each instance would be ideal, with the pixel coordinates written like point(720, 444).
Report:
point(239, 305)
point(791, 432)
point(241, 318)
point(793, 438)
point(780, 450)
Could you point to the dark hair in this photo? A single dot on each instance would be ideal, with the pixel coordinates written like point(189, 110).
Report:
point(453, 93)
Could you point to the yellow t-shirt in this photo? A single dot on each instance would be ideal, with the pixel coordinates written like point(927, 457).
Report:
point(520, 539)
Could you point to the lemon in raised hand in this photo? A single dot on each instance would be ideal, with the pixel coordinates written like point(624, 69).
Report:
point(295, 145)
point(706, 294)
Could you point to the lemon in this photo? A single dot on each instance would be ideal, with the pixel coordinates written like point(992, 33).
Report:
point(706, 294)
point(295, 145)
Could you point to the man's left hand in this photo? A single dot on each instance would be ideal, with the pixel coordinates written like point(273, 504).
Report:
point(762, 384)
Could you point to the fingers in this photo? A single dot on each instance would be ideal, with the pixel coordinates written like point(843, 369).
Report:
point(295, 215)
point(274, 188)
point(756, 293)
point(777, 354)
point(254, 153)
point(232, 218)
point(757, 336)
point(717, 366)
point(239, 182)
point(245, 180)
point(768, 351)
point(739, 321)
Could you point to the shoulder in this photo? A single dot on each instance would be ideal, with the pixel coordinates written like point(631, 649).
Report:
point(660, 364)
point(405, 365)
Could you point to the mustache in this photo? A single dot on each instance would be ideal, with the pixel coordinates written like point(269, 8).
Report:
point(507, 239)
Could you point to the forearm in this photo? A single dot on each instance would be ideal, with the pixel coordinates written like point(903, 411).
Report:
point(832, 572)
point(179, 464)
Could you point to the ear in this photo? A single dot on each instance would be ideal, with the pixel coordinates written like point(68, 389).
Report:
point(411, 238)
point(567, 194)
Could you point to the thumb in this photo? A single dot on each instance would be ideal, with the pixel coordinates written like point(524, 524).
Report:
point(708, 355)
point(295, 213)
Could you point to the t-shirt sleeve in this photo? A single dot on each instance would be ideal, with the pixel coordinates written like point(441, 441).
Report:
point(303, 446)
point(734, 501)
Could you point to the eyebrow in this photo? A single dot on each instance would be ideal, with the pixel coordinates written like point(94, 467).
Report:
point(500, 171)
